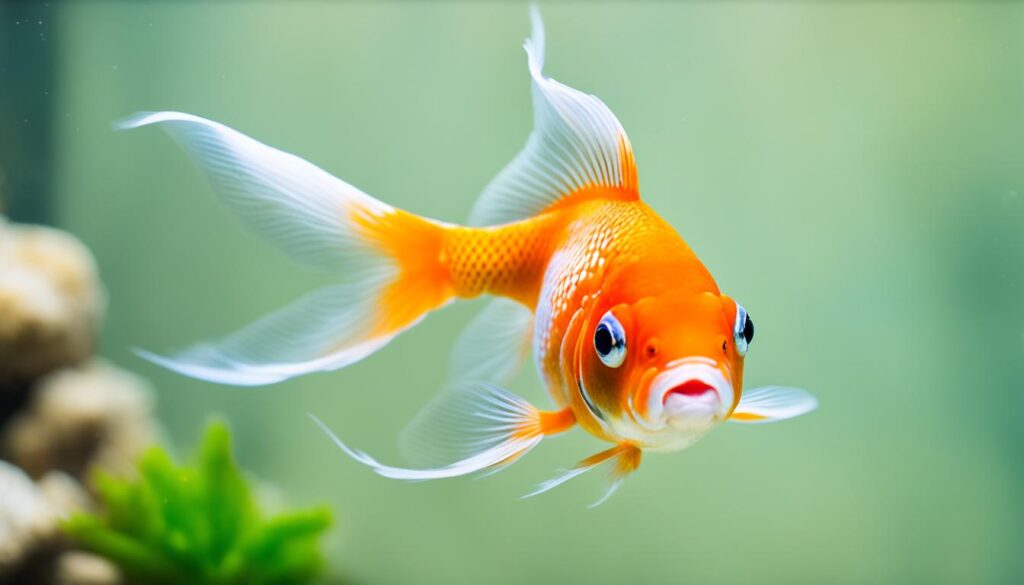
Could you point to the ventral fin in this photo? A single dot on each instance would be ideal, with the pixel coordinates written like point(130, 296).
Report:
point(495, 344)
point(464, 421)
point(577, 149)
point(772, 403)
point(465, 431)
point(621, 460)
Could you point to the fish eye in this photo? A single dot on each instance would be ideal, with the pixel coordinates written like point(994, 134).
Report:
point(610, 341)
point(743, 330)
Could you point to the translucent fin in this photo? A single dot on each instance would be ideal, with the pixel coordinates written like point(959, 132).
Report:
point(463, 432)
point(772, 403)
point(291, 202)
point(622, 460)
point(495, 344)
point(463, 421)
point(389, 258)
point(577, 145)
point(328, 329)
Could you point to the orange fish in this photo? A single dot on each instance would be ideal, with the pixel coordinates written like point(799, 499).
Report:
point(632, 337)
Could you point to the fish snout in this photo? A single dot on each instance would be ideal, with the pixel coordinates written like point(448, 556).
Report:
point(689, 392)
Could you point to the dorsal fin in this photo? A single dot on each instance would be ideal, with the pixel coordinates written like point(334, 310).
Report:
point(577, 147)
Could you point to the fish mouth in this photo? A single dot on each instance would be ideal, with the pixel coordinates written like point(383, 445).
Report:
point(693, 388)
point(690, 392)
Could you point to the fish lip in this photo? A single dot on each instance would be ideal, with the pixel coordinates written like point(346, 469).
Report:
point(691, 389)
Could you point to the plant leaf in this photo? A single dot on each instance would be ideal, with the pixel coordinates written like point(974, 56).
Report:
point(199, 525)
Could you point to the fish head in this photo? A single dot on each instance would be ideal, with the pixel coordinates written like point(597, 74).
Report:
point(664, 369)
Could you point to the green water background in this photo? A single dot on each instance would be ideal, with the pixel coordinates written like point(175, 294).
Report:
point(852, 173)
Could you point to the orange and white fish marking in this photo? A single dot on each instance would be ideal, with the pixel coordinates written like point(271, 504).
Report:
point(631, 335)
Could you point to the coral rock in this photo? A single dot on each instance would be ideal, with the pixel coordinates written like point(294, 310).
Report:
point(63, 493)
point(27, 523)
point(32, 547)
point(51, 302)
point(80, 568)
point(94, 415)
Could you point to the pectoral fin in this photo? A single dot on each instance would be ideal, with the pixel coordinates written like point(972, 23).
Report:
point(772, 403)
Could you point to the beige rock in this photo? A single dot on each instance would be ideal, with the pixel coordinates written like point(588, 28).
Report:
point(80, 568)
point(80, 417)
point(63, 493)
point(51, 302)
point(31, 544)
point(27, 523)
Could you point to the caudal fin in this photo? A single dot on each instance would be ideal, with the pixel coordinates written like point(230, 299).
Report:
point(387, 259)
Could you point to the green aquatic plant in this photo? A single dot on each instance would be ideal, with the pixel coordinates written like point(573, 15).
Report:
point(199, 525)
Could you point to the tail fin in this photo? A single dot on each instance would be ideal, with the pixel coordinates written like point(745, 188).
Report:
point(389, 259)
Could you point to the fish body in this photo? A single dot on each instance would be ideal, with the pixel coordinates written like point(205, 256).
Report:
point(631, 335)
point(613, 255)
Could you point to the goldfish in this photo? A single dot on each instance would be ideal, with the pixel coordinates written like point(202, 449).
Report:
point(631, 336)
